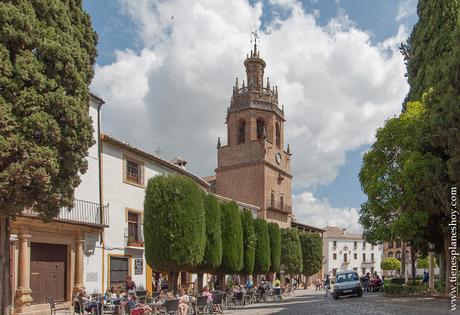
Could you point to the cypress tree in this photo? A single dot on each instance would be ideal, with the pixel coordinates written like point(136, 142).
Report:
point(312, 252)
point(249, 242)
point(291, 252)
point(274, 233)
point(232, 239)
point(430, 44)
point(213, 249)
point(47, 52)
point(262, 261)
point(174, 224)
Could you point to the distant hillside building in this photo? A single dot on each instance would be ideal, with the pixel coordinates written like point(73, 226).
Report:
point(348, 251)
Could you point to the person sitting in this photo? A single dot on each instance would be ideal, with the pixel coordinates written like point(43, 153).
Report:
point(183, 302)
point(170, 295)
point(207, 293)
point(114, 299)
point(132, 306)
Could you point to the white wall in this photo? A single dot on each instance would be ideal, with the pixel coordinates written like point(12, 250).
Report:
point(120, 196)
point(358, 263)
point(88, 189)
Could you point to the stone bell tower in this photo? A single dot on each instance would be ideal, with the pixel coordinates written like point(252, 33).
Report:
point(254, 166)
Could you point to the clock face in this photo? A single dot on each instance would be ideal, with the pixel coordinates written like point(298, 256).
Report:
point(278, 158)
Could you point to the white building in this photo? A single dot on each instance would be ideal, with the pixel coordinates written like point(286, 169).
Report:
point(125, 173)
point(343, 250)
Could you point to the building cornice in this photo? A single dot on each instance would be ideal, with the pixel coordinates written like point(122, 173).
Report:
point(153, 158)
point(252, 164)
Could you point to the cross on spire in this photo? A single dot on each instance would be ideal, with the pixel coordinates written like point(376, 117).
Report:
point(255, 34)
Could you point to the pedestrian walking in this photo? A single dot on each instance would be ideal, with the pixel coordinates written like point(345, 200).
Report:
point(327, 283)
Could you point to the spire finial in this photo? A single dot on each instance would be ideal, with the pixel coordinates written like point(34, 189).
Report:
point(268, 83)
point(218, 142)
point(256, 37)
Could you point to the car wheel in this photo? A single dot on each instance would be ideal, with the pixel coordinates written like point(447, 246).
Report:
point(335, 296)
point(360, 294)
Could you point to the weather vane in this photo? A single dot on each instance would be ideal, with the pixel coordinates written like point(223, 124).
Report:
point(256, 36)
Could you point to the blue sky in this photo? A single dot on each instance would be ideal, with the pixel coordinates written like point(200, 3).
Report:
point(123, 29)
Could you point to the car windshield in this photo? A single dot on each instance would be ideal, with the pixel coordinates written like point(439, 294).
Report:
point(352, 276)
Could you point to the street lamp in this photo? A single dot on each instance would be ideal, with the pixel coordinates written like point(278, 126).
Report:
point(431, 268)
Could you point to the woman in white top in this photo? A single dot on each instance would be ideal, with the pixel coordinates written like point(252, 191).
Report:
point(183, 302)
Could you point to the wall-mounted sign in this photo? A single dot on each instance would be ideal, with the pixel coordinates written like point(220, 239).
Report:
point(138, 266)
point(91, 276)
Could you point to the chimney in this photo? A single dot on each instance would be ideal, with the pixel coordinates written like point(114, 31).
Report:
point(179, 162)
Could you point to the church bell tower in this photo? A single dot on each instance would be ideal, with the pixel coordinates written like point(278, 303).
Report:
point(255, 165)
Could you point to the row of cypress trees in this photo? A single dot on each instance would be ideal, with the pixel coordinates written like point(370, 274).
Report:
point(186, 229)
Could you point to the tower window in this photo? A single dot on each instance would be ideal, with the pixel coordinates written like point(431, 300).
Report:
point(272, 200)
point(281, 203)
point(242, 131)
point(278, 134)
point(261, 132)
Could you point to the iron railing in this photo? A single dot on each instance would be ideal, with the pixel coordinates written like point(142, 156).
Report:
point(82, 212)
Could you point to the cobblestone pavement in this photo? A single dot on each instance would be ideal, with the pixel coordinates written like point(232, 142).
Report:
point(311, 302)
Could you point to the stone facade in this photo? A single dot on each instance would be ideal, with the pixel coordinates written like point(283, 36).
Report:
point(253, 166)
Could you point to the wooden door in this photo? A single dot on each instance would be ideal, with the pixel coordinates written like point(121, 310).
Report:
point(48, 272)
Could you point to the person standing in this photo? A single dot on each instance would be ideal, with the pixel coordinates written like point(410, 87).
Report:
point(130, 285)
point(327, 283)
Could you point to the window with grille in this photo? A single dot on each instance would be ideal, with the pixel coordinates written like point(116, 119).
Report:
point(133, 171)
point(119, 269)
point(133, 226)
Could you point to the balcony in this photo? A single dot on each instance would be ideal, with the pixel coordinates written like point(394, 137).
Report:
point(278, 206)
point(83, 212)
point(135, 238)
point(368, 263)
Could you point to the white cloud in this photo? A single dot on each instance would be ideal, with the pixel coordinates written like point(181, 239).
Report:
point(336, 85)
point(320, 213)
point(406, 8)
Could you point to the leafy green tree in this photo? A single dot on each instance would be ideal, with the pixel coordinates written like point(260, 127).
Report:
point(47, 50)
point(312, 252)
point(424, 262)
point(433, 62)
point(174, 225)
point(390, 264)
point(232, 239)
point(291, 251)
point(262, 262)
point(397, 178)
point(249, 242)
point(275, 246)
point(213, 248)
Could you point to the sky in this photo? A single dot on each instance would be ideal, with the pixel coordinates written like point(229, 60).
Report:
point(166, 69)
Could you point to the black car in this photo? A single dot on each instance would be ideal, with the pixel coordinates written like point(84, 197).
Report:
point(347, 283)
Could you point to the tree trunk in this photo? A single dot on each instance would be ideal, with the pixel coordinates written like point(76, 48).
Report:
point(403, 261)
point(221, 282)
point(200, 281)
point(5, 280)
point(446, 263)
point(173, 276)
point(413, 266)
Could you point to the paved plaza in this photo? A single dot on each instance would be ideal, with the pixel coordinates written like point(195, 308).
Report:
point(311, 302)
